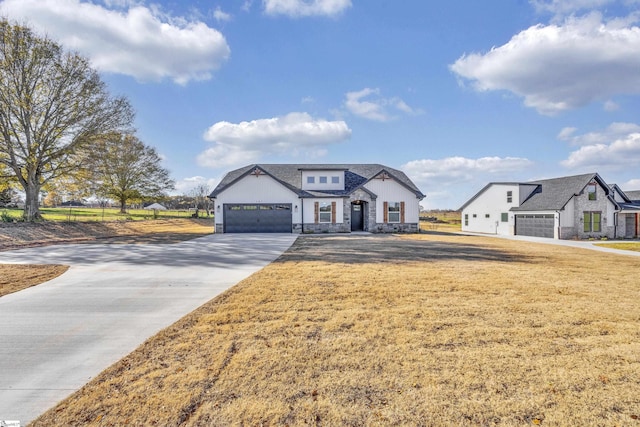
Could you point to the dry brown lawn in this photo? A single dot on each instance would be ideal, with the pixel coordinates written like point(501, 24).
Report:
point(625, 246)
point(379, 330)
point(14, 278)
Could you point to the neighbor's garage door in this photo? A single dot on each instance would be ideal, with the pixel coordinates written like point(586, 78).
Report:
point(535, 225)
point(259, 218)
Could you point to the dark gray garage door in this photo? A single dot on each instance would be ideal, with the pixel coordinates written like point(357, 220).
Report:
point(535, 225)
point(257, 218)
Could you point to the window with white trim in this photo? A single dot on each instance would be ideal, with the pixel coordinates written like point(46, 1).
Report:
point(393, 212)
point(323, 180)
point(509, 196)
point(324, 212)
point(335, 180)
point(311, 180)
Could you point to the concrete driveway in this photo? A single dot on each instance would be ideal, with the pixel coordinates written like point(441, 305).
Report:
point(56, 336)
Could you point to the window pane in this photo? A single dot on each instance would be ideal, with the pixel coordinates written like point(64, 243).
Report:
point(335, 180)
point(394, 207)
point(311, 179)
point(591, 189)
point(323, 180)
point(596, 221)
point(504, 217)
point(325, 212)
point(394, 216)
point(587, 221)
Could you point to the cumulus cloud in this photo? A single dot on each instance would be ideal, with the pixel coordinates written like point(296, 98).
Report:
point(567, 7)
point(188, 185)
point(375, 107)
point(220, 15)
point(613, 132)
point(450, 181)
point(631, 185)
point(304, 8)
point(293, 134)
point(461, 169)
point(607, 150)
point(561, 67)
point(126, 38)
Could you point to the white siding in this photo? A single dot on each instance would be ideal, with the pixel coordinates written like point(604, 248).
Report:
point(389, 190)
point(258, 189)
point(492, 202)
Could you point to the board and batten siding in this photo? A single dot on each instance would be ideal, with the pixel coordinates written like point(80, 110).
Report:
point(388, 190)
point(310, 212)
point(258, 189)
point(488, 209)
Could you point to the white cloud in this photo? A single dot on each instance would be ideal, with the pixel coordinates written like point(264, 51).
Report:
point(568, 7)
point(614, 132)
point(137, 41)
point(376, 108)
point(221, 16)
point(304, 8)
point(561, 67)
point(610, 106)
point(450, 181)
point(187, 185)
point(292, 135)
point(461, 169)
point(631, 185)
point(623, 152)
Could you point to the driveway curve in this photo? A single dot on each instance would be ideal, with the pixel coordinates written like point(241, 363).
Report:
point(56, 336)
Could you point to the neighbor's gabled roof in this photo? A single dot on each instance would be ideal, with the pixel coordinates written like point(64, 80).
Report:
point(550, 194)
point(634, 195)
point(491, 184)
point(289, 175)
point(554, 194)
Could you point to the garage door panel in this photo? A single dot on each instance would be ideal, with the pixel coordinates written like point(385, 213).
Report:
point(257, 218)
point(538, 225)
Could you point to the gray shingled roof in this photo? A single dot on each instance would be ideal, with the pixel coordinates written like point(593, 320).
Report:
point(554, 194)
point(633, 195)
point(289, 175)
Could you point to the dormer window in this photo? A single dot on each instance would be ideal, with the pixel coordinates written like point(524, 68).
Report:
point(323, 180)
point(311, 180)
point(591, 191)
point(335, 180)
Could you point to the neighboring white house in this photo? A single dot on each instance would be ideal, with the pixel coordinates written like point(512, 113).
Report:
point(308, 198)
point(580, 206)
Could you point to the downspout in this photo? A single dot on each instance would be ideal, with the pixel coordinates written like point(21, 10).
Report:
point(559, 227)
point(301, 215)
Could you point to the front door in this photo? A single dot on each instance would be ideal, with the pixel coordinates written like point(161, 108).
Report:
point(357, 218)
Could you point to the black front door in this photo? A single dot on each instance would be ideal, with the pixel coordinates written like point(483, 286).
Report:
point(356, 217)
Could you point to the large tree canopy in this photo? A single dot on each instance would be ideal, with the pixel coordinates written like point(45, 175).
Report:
point(124, 168)
point(52, 103)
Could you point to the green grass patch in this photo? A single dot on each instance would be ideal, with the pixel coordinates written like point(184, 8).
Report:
point(626, 246)
point(96, 214)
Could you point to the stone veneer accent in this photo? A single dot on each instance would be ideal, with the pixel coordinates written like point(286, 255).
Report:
point(582, 204)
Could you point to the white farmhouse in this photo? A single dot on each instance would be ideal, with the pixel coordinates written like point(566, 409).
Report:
point(316, 198)
point(580, 206)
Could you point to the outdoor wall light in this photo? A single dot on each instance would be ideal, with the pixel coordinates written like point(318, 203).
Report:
point(218, 208)
point(295, 208)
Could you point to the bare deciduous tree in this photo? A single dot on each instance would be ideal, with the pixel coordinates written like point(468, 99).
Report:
point(52, 103)
point(124, 168)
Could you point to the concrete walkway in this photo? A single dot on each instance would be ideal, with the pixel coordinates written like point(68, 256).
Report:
point(584, 244)
point(56, 336)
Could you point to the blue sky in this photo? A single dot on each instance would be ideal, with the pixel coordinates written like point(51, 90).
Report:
point(455, 93)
